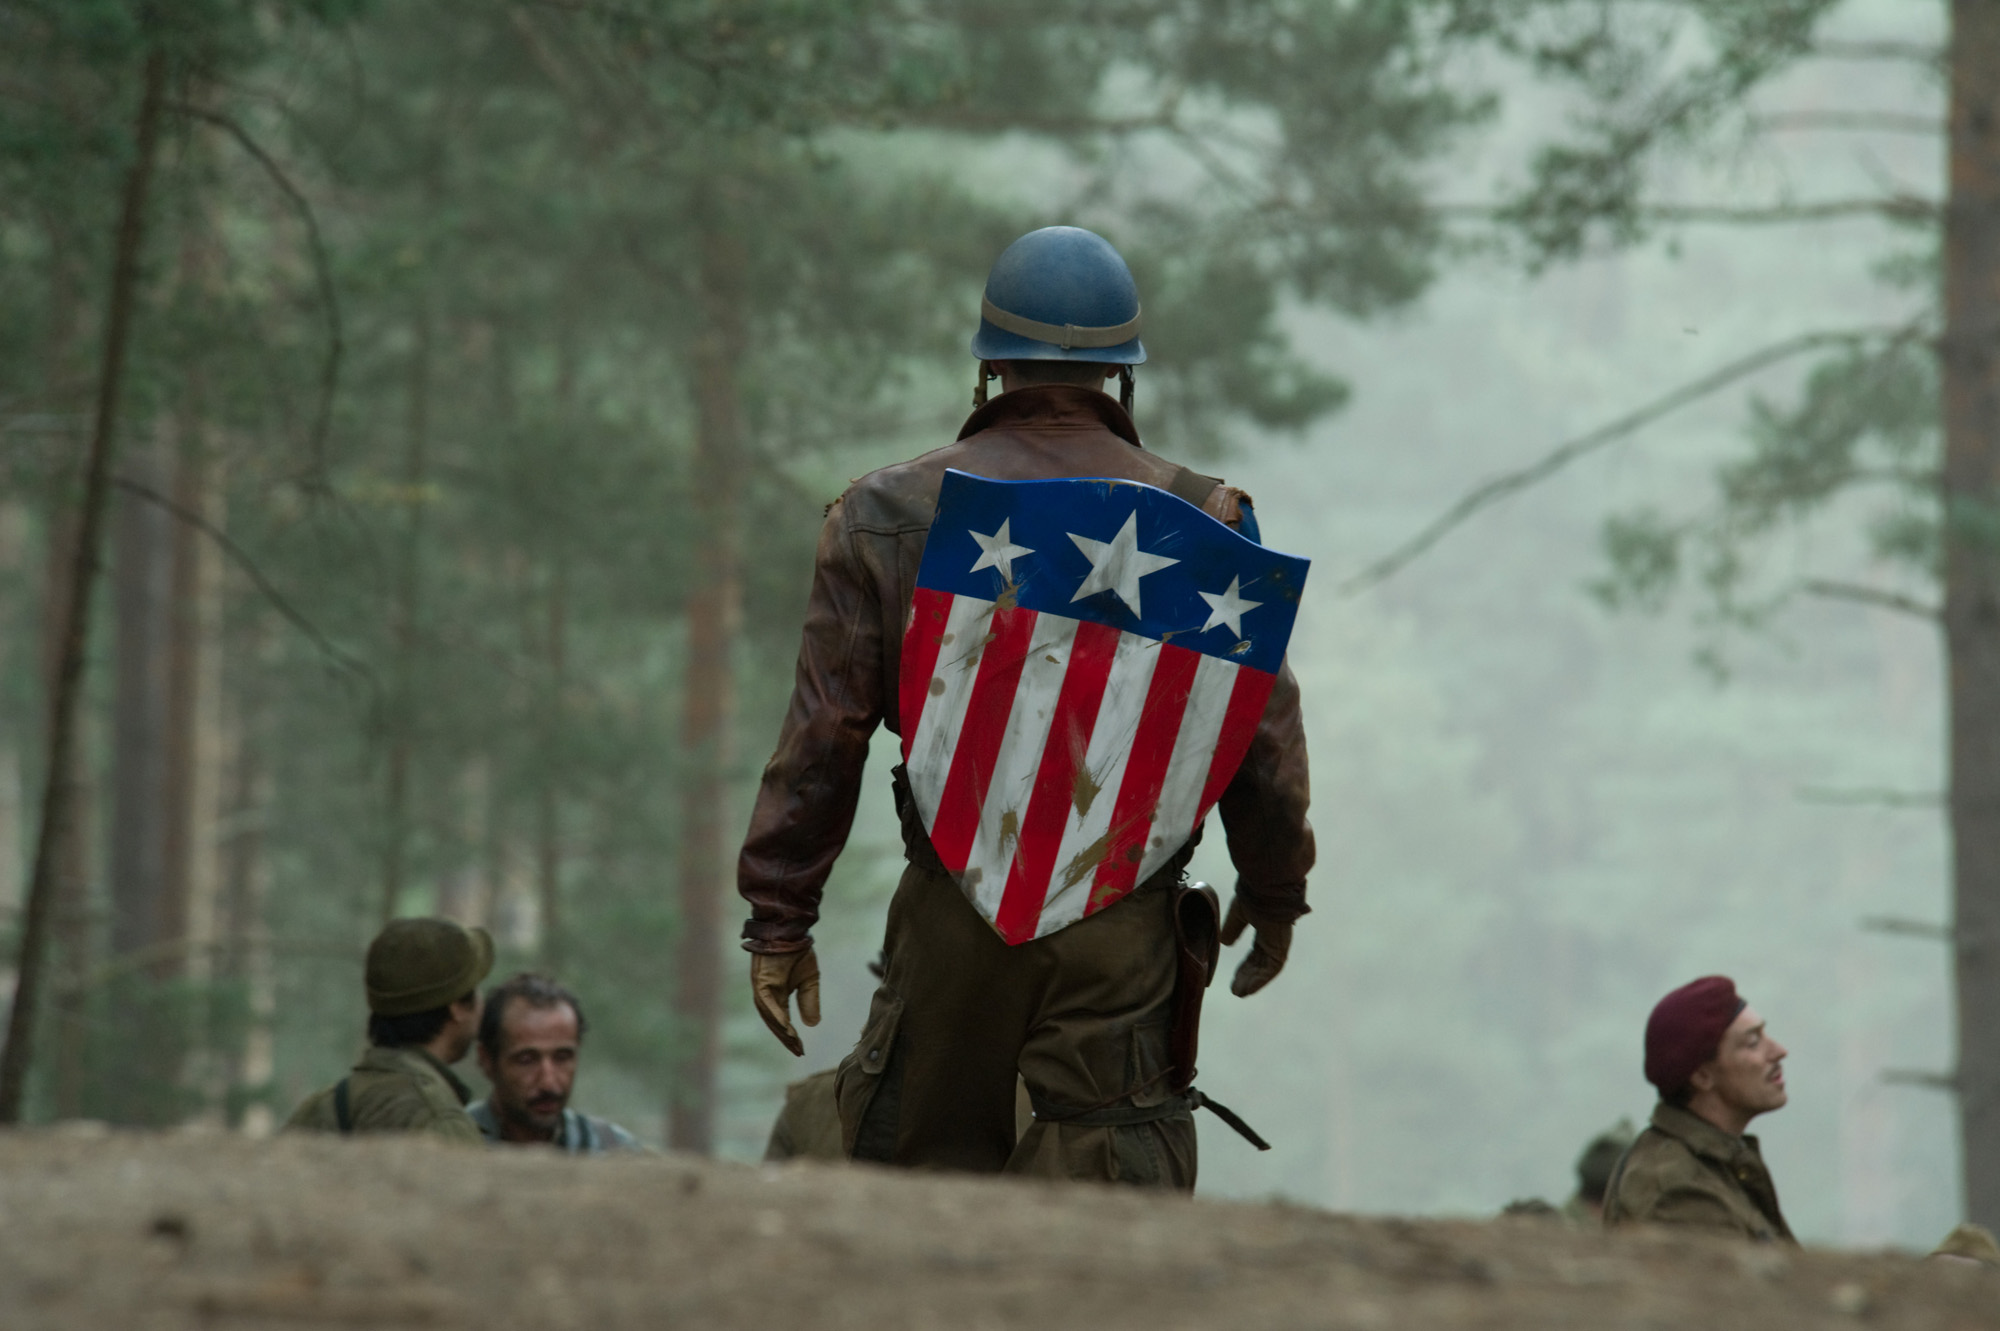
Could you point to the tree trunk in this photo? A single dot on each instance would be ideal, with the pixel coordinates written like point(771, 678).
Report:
point(67, 376)
point(164, 765)
point(245, 889)
point(714, 612)
point(403, 629)
point(1971, 364)
point(72, 922)
point(555, 684)
point(195, 752)
point(548, 828)
point(65, 708)
point(142, 599)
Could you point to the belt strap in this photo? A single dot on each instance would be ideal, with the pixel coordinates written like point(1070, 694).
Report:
point(1232, 1118)
point(1128, 1116)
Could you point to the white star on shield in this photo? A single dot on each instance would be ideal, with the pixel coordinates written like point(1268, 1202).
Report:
point(999, 551)
point(1227, 608)
point(1117, 565)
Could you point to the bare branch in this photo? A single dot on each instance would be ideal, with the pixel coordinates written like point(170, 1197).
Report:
point(322, 270)
point(1894, 208)
point(174, 949)
point(1890, 799)
point(1889, 207)
point(1892, 924)
point(1884, 122)
point(1512, 483)
point(1875, 596)
point(264, 585)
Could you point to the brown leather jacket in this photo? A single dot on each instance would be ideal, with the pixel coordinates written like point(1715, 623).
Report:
point(851, 654)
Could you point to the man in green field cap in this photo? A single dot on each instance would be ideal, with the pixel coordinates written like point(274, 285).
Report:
point(423, 1013)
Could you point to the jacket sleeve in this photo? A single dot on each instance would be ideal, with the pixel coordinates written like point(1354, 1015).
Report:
point(314, 1114)
point(806, 801)
point(1264, 812)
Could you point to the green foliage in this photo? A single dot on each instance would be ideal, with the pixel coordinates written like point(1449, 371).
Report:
point(1863, 429)
point(1644, 551)
point(1651, 81)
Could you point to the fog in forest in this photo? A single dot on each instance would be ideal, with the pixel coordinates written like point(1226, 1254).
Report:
point(1537, 810)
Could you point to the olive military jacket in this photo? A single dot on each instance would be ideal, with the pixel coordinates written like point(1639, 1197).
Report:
point(809, 1124)
point(392, 1090)
point(851, 652)
point(1684, 1170)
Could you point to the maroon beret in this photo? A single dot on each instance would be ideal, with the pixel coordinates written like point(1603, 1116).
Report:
point(1686, 1029)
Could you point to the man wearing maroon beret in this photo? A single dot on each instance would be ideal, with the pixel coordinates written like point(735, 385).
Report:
point(1716, 1069)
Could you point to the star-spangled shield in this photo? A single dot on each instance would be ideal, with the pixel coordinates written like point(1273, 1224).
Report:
point(1085, 665)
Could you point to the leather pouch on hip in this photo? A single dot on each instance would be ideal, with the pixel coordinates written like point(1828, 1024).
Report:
point(1198, 947)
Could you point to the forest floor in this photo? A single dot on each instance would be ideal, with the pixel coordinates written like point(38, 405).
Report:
point(109, 1232)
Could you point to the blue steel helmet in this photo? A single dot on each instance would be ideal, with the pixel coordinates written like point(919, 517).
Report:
point(1060, 293)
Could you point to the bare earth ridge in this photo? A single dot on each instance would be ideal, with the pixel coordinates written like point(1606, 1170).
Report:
point(103, 1232)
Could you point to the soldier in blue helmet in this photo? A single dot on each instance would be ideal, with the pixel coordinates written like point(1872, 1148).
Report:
point(1093, 1016)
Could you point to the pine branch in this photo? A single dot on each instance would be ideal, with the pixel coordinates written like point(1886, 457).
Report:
point(1512, 483)
point(1875, 596)
point(322, 271)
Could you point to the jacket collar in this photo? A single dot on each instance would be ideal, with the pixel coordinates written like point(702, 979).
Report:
point(569, 1136)
point(413, 1062)
point(1053, 407)
point(1701, 1136)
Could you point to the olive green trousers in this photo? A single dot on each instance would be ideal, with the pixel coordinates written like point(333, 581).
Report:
point(1082, 1015)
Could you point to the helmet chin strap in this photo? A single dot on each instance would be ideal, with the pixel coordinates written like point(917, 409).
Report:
point(1126, 388)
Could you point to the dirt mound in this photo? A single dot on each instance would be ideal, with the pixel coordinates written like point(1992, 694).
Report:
point(115, 1231)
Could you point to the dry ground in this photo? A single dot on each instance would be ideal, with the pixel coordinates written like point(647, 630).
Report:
point(108, 1232)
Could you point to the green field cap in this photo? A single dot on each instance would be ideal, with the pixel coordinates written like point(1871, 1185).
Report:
point(417, 965)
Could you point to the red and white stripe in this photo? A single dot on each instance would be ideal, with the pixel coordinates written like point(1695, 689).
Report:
point(1056, 763)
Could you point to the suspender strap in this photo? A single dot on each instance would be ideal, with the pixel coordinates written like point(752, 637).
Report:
point(1192, 486)
point(343, 1110)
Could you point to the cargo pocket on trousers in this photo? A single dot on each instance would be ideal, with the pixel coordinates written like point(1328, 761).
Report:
point(1138, 1154)
point(869, 1082)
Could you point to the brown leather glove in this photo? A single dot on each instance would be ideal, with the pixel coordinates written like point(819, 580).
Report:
point(1267, 950)
point(774, 978)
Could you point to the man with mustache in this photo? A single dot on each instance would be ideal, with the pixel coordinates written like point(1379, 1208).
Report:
point(529, 1038)
point(1716, 1069)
